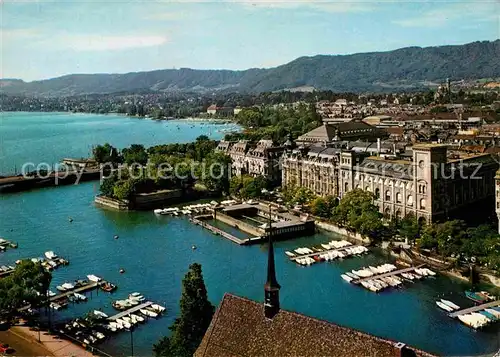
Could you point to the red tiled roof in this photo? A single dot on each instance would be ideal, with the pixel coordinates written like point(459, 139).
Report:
point(240, 329)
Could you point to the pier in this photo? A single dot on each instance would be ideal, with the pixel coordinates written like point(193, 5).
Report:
point(391, 273)
point(475, 308)
point(326, 251)
point(85, 288)
point(6, 273)
point(198, 221)
point(130, 311)
point(54, 178)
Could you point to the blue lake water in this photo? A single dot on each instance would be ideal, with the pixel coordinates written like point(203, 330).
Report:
point(50, 137)
point(156, 252)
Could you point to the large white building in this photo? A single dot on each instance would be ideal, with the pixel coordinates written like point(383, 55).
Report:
point(428, 183)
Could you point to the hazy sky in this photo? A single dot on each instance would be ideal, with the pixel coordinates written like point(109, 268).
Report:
point(43, 39)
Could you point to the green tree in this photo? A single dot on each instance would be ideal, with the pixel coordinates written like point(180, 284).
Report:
point(323, 206)
point(136, 154)
point(107, 185)
point(26, 285)
point(195, 315)
point(106, 153)
point(357, 213)
point(409, 228)
point(214, 172)
point(123, 190)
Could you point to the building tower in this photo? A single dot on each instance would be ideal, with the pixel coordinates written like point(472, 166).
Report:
point(271, 287)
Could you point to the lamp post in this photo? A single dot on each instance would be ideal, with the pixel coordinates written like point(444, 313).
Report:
point(131, 342)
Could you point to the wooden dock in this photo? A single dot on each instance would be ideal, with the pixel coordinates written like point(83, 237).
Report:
point(391, 273)
point(475, 308)
point(130, 311)
point(6, 273)
point(220, 232)
point(65, 294)
point(326, 251)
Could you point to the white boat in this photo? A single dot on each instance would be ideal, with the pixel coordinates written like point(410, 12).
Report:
point(50, 255)
point(450, 304)
point(93, 278)
point(158, 211)
point(51, 293)
point(137, 317)
point(100, 314)
point(52, 263)
point(346, 278)
point(80, 297)
point(55, 306)
point(67, 286)
point(148, 313)
point(127, 319)
point(124, 323)
point(158, 308)
point(444, 306)
point(290, 254)
point(136, 296)
point(132, 302)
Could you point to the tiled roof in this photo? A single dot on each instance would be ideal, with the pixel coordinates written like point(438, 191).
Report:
point(240, 329)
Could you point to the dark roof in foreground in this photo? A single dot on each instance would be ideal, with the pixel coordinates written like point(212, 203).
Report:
point(239, 328)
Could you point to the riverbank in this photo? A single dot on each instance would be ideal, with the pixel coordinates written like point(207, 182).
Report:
point(25, 343)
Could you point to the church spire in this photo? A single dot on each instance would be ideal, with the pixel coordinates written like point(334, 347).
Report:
point(271, 288)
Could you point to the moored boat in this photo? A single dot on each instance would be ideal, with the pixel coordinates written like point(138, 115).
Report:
point(444, 306)
point(450, 304)
point(475, 297)
point(50, 255)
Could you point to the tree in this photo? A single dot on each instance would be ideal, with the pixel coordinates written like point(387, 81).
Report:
point(323, 206)
point(26, 285)
point(136, 154)
point(123, 190)
point(409, 228)
point(353, 204)
point(106, 153)
point(195, 316)
point(215, 172)
point(107, 185)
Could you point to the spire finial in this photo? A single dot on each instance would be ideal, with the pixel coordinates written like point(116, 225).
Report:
point(271, 288)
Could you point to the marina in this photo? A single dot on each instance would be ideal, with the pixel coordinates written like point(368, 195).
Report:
point(329, 251)
point(130, 311)
point(88, 286)
point(384, 275)
point(475, 308)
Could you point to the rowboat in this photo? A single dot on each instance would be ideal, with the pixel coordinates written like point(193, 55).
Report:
point(444, 306)
point(475, 297)
point(346, 278)
point(450, 304)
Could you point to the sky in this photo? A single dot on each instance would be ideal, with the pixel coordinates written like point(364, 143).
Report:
point(44, 39)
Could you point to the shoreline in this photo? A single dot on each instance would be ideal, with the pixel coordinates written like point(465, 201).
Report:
point(194, 119)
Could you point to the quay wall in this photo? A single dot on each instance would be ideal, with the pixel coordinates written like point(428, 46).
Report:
point(342, 231)
point(146, 201)
point(112, 203)
point(235, 223)
point(143, 201)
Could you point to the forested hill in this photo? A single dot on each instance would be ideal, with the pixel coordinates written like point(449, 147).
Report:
point(377, 71)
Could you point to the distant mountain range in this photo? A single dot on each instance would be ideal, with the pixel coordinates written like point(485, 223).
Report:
point(405, 68)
